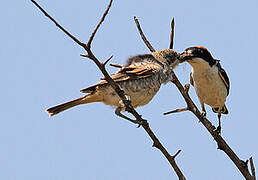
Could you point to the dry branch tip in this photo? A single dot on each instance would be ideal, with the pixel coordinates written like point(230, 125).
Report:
point(116, 65)
point(171, 45)
point(175, 155)
point(176, 111)
point(106, 61)
point(84, 55)
point(147, 43)
point(98, 25)
point(252, 168)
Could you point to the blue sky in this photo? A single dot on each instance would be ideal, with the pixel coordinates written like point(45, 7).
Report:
point(41, 67)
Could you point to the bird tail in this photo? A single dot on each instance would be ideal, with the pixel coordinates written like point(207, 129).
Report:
point(224, 110)
point(82, 100)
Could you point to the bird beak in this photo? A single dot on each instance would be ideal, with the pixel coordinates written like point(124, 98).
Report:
point(185, 56)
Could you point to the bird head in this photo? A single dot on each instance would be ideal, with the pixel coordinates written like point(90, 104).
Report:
point(167, 56)
point(198, 56)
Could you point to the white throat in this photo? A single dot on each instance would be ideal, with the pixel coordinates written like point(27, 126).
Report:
point(199, 65)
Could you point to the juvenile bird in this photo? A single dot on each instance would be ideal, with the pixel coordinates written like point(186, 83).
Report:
point(209, 79)
point(140, 79)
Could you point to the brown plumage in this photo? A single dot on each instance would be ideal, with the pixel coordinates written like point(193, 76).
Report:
point(140, 79)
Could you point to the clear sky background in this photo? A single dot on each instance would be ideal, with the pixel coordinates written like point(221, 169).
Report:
point(41, 67)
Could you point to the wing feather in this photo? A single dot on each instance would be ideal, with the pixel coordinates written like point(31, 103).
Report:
point(223, 75)
point(131, 72)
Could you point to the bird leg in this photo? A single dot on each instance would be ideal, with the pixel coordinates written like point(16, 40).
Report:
point(118, 113)
point(203, 113)
point(121, 107)
point(218, 129)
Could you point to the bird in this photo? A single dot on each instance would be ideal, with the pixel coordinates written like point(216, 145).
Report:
point(209, 79)
point(140, 79)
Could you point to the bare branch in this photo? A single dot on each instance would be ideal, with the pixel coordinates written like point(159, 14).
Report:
point(252, 168)
point(222, 145)
point(171, 45)
point(119, 91)
point(156, 142)
point(186, 88)
point(176, 168)
point(90, 55)
point(158, 145)
point(98, 25)
point(142, 35)
point(116, 65)
point(175, 155)
point(176, 111)
point(84, 55)
point(57, 24)
point(105, 62)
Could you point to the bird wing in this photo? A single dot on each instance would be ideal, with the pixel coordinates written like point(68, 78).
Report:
point(223, 75)
point(130, 72)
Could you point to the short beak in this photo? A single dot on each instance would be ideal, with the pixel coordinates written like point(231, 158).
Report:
point(185, 56)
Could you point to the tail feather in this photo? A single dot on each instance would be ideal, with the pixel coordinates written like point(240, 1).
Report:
point(62, 107)
point(224, 110)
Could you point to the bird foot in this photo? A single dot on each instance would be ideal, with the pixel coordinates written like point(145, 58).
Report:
point(218, 130)
point(141, 122)
point(203, 114)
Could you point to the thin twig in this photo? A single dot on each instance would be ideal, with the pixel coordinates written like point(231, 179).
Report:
point(57, 24)
point(252, 168)
point(175, 155)
point(84, 55)
point(176, 111)
point(116, 65)
point(142, 35)
point(106, 61)
point(98, 25)
point(176, 168)
point(90, 55)
point(171, 44)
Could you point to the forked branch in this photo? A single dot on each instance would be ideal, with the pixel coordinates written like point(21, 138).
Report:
point(100, 22)
point(222, 145)
point(170, 158)
point(119, 91)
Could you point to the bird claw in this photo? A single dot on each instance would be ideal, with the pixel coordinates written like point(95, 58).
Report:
point(218, 130)
point(140, 123)
point(203, 114)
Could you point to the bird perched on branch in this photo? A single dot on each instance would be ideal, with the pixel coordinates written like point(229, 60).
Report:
point(140, 79)
point(209, 79)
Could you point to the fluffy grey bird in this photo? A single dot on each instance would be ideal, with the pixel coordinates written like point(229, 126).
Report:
point(140, 79)
point(209, 79)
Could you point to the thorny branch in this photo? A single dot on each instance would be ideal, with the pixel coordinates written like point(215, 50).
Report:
point(222, 145)
point(170, 158)
point(120, 92)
